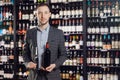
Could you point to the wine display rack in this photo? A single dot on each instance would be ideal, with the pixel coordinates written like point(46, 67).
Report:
point(68, 16)
point(91, 30)
point(6, 40)
point(102, 41)
point(26, 19)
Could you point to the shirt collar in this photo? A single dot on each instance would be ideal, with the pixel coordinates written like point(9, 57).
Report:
point(47, 29)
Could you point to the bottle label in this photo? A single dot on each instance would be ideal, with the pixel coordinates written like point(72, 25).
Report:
point(117, 61)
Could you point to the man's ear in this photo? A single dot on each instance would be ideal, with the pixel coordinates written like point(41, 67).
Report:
point(50, 14)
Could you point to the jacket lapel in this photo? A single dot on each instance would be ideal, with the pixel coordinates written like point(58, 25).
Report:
point(50, 34)
point(35, 36)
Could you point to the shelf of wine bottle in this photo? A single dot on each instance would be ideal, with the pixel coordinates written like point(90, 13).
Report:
point(6, 72)
point(6, 12)
point(102, 39)
point(65, 1)
point(102, 36)
point(6, 19)
point(103, 58)
point(6, 50)
point(74, 42)
point(67, 10)
point(75, 58)
point(67, 15)
point(6, 40)
point(26, 19)
point(69, 26)
point(100, 8)
point(22, 72)
point(6, 2)
point(72, 73)
point(103, 42)
point(32, 1)
point(103, 74)
point(103, 26)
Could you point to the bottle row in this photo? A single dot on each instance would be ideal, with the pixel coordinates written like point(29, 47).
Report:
point(5, 23)
point(32, 1)
point(106, 25)
point(22, 72)
point(6, 13)
point(103, 21)
point(75, 58)
point(64, 1)
point(67, 10)
point(26, 12)
point(6, 71)
point(6, 2)
point(23, 26)
point(73, 74)
point(97, 29)
point(6, 28)
point(103, 74)
point(20, 56)
point(7, 42)
point(105, 42)
point(74, 42)
point(103, 58)
point(72, 25)
point(6, 56)
point(103, 8)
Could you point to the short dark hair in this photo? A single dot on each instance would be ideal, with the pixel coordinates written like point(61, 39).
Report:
point(44, 4)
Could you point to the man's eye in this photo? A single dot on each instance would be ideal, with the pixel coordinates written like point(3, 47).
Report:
point(46, 12)
point(39, 12)
point(43, 12)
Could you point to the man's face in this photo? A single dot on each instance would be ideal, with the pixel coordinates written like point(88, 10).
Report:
point(43, 15)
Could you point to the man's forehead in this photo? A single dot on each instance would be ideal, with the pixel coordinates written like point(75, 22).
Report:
point(45, 7)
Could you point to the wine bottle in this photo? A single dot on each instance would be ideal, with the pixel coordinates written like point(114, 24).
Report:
point(20, 73)
point(117, 58)
point(88, 57)
point(66, 41)
point(10, 29)
point(11, 56)
point(1, 73)
point(77, 74)
point(20, 57)
point(36, 58)
point(46, 56)
point(20, 13)
point(108, 59)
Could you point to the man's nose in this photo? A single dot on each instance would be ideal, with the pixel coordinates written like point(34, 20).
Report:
point(42, 15)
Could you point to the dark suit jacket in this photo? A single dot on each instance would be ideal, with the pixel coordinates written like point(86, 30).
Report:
point(57, 48)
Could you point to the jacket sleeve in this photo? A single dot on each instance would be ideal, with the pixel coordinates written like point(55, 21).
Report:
point(61, 51)
point(26, 50)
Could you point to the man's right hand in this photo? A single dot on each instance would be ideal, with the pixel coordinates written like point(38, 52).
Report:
point(31, 65)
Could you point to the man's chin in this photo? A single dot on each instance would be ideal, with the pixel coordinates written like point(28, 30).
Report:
point(43, 23)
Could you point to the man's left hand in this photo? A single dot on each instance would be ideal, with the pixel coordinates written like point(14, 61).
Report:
point(50, 68)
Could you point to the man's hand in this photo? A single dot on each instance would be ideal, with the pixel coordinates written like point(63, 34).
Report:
point(42, 68)
point(50, 68)
point(31, 65)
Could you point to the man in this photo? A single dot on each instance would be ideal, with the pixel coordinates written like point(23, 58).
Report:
point(36, 39)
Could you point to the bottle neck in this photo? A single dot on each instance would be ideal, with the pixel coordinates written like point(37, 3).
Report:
point(47, 45)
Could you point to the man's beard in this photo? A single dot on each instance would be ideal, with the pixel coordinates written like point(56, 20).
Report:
point(41, 24)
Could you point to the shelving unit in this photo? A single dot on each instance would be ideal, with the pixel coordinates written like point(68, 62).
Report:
point(69, 16)
point(6, 40)
point(91, 30)
point(26, 19)
point(103, 55)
